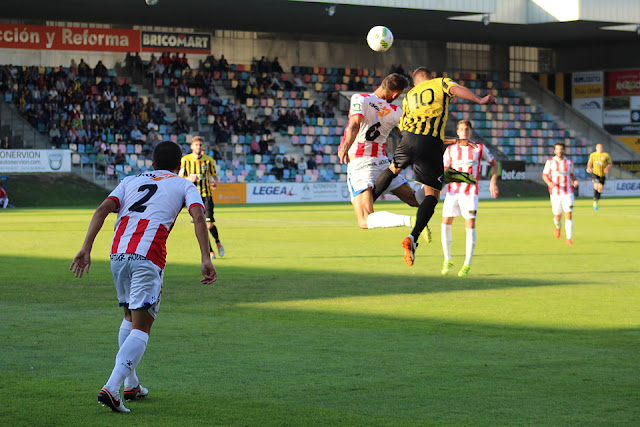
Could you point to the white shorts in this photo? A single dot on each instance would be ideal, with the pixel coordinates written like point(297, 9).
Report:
point(561, 203)
point(138, 282)
point(460, 204)
point(363, 172)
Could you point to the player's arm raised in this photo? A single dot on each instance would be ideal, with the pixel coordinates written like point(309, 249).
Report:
point(464, 93)
point(82, 260)
point(349, 137)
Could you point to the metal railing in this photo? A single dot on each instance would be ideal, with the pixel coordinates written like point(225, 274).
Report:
point(24, 135)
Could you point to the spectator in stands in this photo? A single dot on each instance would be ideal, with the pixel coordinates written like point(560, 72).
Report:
point(297, 83)
point(100, 70)
point(215, 153)
point(275, 66)
point(262, 66)
point(179, 126)
point(223, 65)
point(317, 147)
point(158, 115)
point(83, 69)
point(184, 63)
point(153, 69)
point(311, 163)
point(102, 160)
point(82, 134)
point(278, 167)
point(275, 83)
point(54, 135)
point(254, 145)
point(120, 158)
point(209, 64)
point(302, 165)
point(5, 144)
point(4, 198)
point(136, 134)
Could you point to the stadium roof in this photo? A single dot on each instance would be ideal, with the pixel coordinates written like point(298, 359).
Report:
point(512, 22)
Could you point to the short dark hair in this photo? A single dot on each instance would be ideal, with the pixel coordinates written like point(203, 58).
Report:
point(559, 143)
point(395, 83)
point(465, 122)
point(422, 71)
point(167, 156)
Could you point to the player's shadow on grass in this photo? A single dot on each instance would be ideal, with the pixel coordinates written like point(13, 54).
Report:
point(240, 284)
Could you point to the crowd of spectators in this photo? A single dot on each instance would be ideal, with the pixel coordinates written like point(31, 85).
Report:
point(81, 105)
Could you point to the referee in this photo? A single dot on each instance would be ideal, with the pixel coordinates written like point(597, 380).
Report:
point(200, 169)
point(426, 108)
point(598, 166)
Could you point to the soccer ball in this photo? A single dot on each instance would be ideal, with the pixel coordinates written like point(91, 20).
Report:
point(151, 2)
point(380, 38)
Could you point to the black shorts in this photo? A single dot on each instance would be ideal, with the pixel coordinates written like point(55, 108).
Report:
point(424, 152)
point(208, 208)
point(597, 178)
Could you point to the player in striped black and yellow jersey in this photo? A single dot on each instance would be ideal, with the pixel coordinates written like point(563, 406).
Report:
point(598, 166)
point(200, 169)
point(422, 126)
point(426, 107)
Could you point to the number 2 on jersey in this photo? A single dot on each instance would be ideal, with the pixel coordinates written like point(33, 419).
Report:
point(139, 205)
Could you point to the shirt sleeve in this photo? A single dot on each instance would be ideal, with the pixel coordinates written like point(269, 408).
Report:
point(547, 168)
point(212, 165)
point(192, 197)
point(486, 155)
point(117, 194)
point(447, 84)
point(356, 106)
point(446, 158)
point(183, 172)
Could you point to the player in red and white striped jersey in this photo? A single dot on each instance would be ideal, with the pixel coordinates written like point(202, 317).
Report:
point(462, 198)
point(371, 118)
point(147, 205)
point(559, 177)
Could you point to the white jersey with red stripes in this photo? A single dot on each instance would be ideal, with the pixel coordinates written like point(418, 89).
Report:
point(466, 159)
point(379, 119)
point(148, 205)
point(560, 172)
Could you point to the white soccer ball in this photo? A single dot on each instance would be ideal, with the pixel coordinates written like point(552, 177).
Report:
point(151, 2)
point(380, 38)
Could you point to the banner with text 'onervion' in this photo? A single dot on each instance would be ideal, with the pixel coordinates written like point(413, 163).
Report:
point(35, 161)
point(155, 41)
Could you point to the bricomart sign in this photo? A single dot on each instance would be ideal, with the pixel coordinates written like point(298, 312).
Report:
point(155, 41)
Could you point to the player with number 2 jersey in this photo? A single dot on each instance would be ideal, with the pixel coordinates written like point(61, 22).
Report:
point(147, 205)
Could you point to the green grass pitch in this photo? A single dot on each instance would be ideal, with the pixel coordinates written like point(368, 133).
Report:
point(316, 322)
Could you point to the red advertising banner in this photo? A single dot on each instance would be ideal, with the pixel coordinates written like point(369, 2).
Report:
point(623, 83)
point(68, 38)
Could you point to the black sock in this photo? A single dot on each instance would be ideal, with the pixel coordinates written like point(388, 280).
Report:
point(598, 195)
point(214, 232)
point(425, 212)
point(210, 248)
point(595, 195)
point(383, 181)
